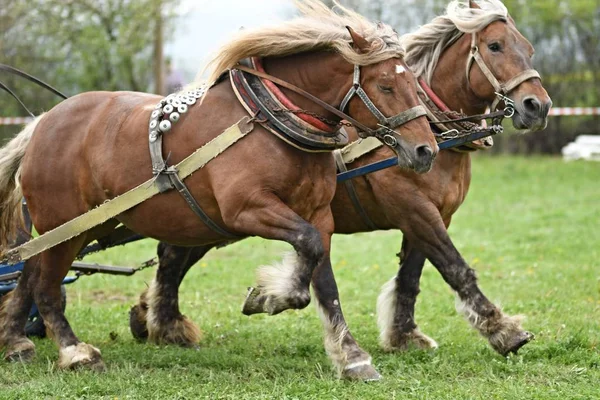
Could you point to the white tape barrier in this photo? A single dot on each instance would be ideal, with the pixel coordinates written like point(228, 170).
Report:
point(568, 111)
point(554, 112)
point(15, 120)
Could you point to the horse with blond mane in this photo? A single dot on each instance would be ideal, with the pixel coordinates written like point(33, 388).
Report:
point(270, 184)
point(421, 206)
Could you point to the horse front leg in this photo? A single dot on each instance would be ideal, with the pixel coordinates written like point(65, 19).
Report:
point(503, 332)
point(157, 317)
point(350, 360)
point(396, 304)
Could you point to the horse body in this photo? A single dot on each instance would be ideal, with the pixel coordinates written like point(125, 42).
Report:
point(94, 147)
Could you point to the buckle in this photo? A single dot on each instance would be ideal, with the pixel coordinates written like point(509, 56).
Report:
point(509, 105)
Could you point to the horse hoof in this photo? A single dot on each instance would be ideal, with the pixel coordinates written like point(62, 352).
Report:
point(404, 341)
point(137, 323)
point(520, 340)
point(364, 373)
point(23, 356)
point(23, 351)
point(81, 355)
point(254, 303)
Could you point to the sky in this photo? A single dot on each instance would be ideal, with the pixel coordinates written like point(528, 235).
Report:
point(204, 25)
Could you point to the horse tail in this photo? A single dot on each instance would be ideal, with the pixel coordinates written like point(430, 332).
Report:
point(11, 193)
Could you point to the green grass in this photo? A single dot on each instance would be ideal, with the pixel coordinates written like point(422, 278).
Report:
point(530, 229)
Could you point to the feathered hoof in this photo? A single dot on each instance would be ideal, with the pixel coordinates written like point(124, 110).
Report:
point(405, 341)
point(137, 323)
point(256, 302)
point(362, 373)
point(180, 331)
point(22, 351)
point(514, 343)
point(81, 355)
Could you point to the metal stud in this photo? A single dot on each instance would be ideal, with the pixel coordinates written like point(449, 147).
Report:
point(182, 109)
point(190, 101)
point(155, 114)
point(153, 136)
point(164, 126)
point(168, 109)
point(174, 117)
point(153, 124)
point(160, 104)
point(176, 103)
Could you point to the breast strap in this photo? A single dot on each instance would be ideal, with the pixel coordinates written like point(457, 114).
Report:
point(167, 112)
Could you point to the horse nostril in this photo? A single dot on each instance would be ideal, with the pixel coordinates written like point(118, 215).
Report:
point(424, 152)
point(532, 105)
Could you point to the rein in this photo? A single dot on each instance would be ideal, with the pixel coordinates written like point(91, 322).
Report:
point(385, 132)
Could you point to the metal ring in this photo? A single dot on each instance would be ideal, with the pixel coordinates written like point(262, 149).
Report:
point(390, 140)
point(509, 112)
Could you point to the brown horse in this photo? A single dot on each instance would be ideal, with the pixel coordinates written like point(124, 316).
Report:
point(421, 206)
point(94, 146)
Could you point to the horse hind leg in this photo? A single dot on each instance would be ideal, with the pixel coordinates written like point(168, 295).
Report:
point(503, 332)
point(157, 316)
point(54, 265)
point(396, 305)
point(14, 311)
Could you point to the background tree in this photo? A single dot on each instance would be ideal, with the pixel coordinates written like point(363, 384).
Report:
point(79, 45)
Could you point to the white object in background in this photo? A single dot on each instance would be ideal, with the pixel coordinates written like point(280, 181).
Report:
point(585, 147)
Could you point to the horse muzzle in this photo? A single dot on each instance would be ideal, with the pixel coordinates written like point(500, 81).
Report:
point(531, 113)
point(418, 158)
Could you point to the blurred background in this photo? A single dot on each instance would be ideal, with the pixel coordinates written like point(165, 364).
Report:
point(156, 46)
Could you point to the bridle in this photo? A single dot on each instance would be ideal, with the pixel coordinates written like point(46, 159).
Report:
point(501, 89)
point(385, 132)
point(386, 124)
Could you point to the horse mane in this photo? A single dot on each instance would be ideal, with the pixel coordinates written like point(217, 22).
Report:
point(318, 28)
point(425, 46)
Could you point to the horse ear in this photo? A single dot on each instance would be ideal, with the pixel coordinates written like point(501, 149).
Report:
point(473, 4)
point(358, 42)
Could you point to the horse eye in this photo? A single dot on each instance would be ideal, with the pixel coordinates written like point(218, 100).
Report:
point(385, 89)
point(494, 47)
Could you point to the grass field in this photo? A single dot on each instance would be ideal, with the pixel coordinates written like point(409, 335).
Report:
point(530, 229)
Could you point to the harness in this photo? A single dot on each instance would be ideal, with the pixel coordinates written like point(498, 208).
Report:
point(385, 131)
point(455, 133)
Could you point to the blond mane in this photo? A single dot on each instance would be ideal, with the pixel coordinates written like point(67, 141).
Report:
point(317, 28)
point(425, 46)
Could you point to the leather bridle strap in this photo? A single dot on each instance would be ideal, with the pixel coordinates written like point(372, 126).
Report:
point(385, 122)
point(502, 89)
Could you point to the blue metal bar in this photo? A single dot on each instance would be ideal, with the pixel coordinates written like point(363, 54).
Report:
point(390, 162)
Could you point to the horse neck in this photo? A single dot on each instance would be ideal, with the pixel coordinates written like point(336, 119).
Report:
point(325, 75)
point(449, 80)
